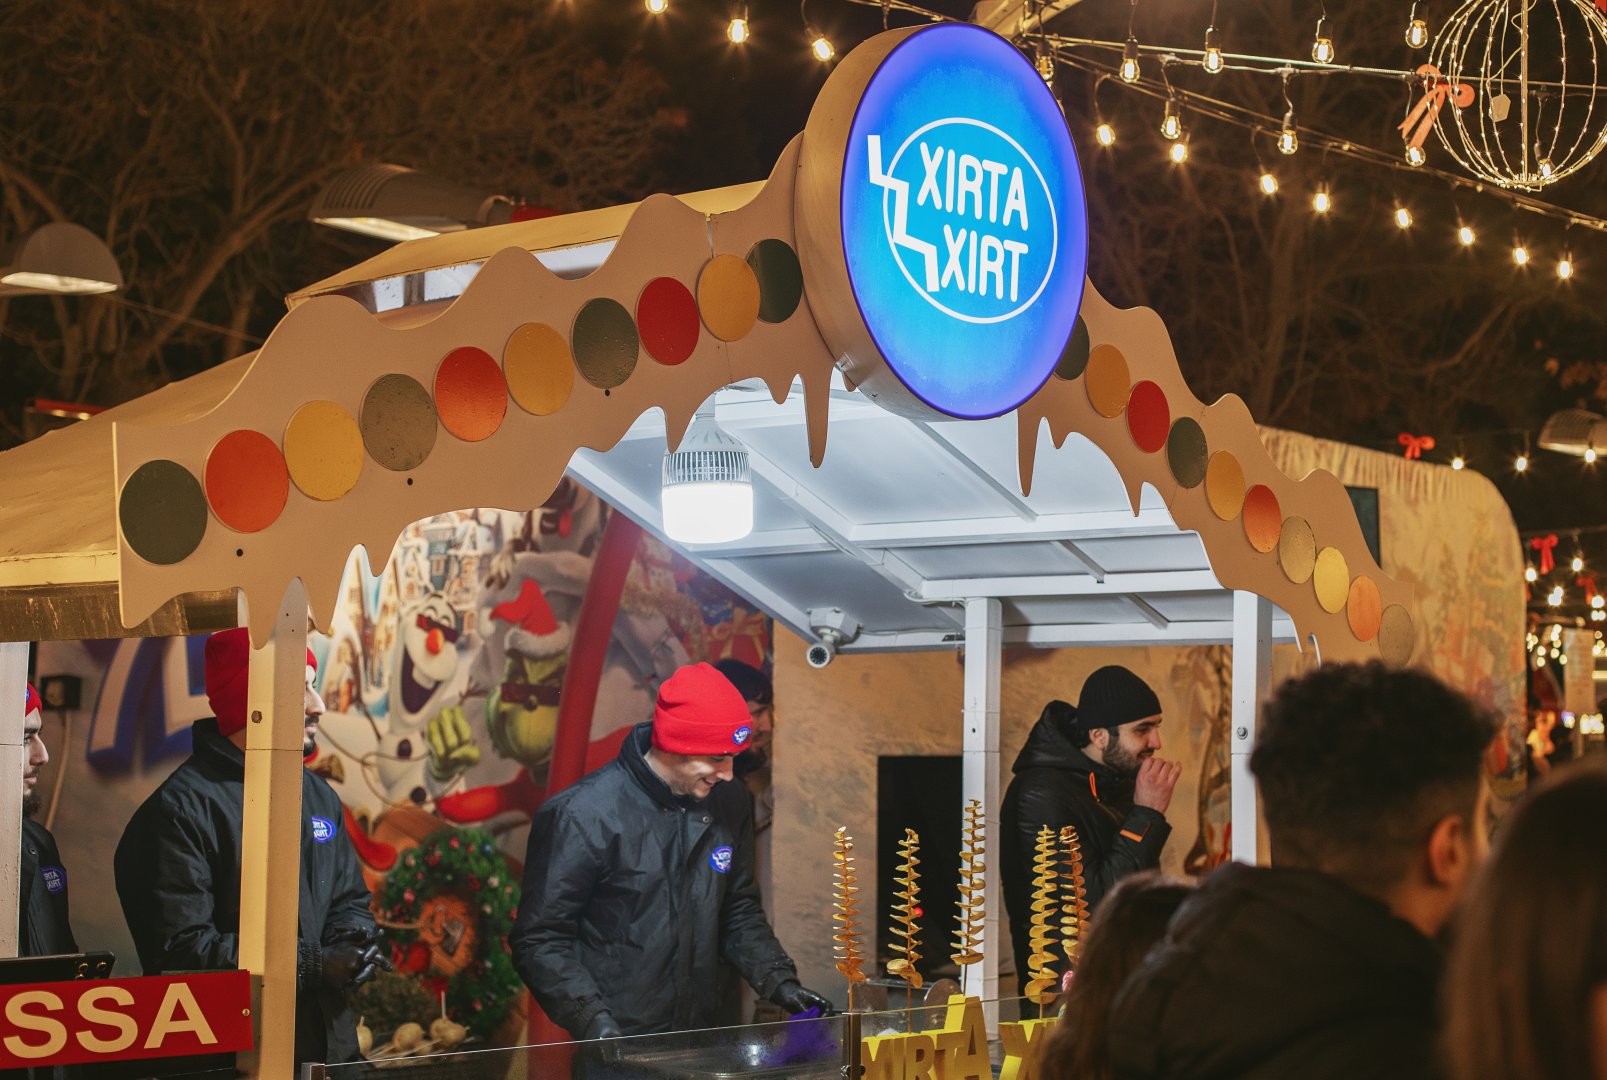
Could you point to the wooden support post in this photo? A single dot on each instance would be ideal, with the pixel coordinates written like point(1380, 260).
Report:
point(1252, 673)
point(984, 642)
point(270, 873)
point(13, 761)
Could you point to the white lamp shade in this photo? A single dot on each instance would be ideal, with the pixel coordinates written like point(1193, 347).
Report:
point(60, 258)
point(708, 513)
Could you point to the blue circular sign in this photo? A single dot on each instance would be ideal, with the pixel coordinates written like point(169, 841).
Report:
point(720, 859)
point(741, 735)
point(323, 830)
point(964, 224)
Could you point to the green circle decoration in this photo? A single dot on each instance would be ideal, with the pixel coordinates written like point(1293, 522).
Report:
point(464, 863)
point(1186, 452)
point(163, 512)
point(604, 343)
point(1074, 357)
point(775, 264)
point(398, 422)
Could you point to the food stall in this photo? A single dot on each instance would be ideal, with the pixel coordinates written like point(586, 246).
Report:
point(910, 282)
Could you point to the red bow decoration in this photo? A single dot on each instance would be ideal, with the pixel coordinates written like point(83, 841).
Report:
point(1545, 545)
point(1416, 444)
point(1436, 88)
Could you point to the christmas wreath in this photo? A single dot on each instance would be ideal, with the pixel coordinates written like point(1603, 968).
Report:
point(464, 865)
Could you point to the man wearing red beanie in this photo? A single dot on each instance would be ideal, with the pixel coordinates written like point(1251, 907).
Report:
point(638, 881)
point(178, 866)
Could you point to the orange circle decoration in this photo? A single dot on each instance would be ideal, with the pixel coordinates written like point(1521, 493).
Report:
point(728, 297)
point(1263, 518)
point(1331, 579)
point(1149, 418)
point(1297, 549)
point(323, 450)
point(540, 369)
point(1365, 608)
point(471, 396)
point(246, 481)
point(1224, 485)
point(1107, 380)
point(1396, 635)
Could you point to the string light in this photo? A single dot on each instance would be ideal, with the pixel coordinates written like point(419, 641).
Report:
point(1459, 463)
point(1172, 123)
point(657, 7)
point(1416, 30)
point(1465, 235)
point(1104, 134)
point(737, 31)
point(1288, 140)
point(1520, 254)
point(1179, 152)
point(1268, 183)
point(1521, 463)
point(1555, 598)
point(1212, 62)
point(1129, 69)
point(1590, 455)
point(1565, 268)
point(1530, 575)
point(1415, 156)
point(1403, 218)
point(821, 47)
point(1578, 564)
point(1322, 46)
point(1322, 201)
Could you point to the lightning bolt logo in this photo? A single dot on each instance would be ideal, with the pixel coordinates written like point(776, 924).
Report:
point(901, 198)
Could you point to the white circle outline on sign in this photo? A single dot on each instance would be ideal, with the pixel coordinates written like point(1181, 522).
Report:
point(1054, 222)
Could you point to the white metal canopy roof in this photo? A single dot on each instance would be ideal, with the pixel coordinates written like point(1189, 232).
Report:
point(906, 519)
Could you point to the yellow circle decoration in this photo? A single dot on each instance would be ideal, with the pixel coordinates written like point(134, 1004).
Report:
point(1396, 635)
point(323, 450)
point(728, 297)
point(1365, 608)
point(1297, 549)
point(1224, 485)
point(1332, 579)
point(539, 368)
point(1107, 380)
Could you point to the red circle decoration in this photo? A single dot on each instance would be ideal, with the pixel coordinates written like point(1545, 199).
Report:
point(471, 396)
point(247, 482)
point(1149, 418)
point(1263, 518)
point(667, 318)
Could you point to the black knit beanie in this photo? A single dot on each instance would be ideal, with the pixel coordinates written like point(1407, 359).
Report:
point(1114, 696)
point(751, 683)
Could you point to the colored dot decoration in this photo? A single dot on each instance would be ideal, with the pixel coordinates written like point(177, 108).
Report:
point(667, 316)
point(323, 450)
point(1148, 417)
point(605, 343)
point(1297, 550)
point(398, 422)
point(1364, 608)
point(539, 367)
point(775, 265)
point(162, 512)
point(1396, 637)
point(1331, 579)
point(1186, 452)
point(1074, 357)
point(1107, 381)
point(728, 296)
point(246, 481)
point(1263, 518)
point(471, 396)
point(1224, 485)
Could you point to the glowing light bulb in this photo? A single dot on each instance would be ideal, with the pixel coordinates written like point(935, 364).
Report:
point(657, 7)
point(1546, 169)
point(1578, 564)
point(1322, 202)
point(1269, 184)
point(1129, 69)
point(1565, 268)
point(1417, 33)
point(1212, 63)
point(1555, 599)
point(1172, 123)
point(1403, 218)
point(822, 49)
point(1180, 152)
point(738, 30)
point(1598, 601)
point(1288, 140)
point(1322, 50)
point(1520, 254)
point(1105, 135)
point(1530, 575)
point(1415, 156)
point(1521, 463)
point(1459, 463)
point(1590, 455)
point(1465, 236)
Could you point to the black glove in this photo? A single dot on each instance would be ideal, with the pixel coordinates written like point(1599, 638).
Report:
point(374, 961)
point(602, 1026)
point(795, 999)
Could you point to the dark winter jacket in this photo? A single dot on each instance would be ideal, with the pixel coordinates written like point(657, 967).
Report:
point(1056, 784)
point(43, 929)
point(1270, 973)
point(178, 877)
point(632, 897)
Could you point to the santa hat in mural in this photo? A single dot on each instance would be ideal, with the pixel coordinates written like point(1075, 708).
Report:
point(536, 633)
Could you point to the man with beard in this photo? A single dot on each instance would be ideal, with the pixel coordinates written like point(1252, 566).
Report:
point(42, 905)
point(639, 879)
point(1093, 767)
point(178, 866)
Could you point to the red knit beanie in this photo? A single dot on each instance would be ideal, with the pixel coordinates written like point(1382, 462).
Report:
point(228, 658)
point(30, 701)
point(700, 713)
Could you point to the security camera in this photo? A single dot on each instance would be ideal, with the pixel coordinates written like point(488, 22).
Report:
point(832, 628)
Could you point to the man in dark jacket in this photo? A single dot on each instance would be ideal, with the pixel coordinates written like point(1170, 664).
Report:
point(639, 879)
point(1324, 966)
point(43, 929)
point(178, 867)
point(1092, 767)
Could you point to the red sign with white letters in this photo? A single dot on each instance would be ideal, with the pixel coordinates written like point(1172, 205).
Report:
point(65, 1023)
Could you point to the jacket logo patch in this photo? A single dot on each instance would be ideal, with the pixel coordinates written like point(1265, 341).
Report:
point(720, 859)
point(741, 735)
point(55, 878)
point(323, 830)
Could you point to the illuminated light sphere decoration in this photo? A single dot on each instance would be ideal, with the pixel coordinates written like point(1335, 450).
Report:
point(1322, 50)
point(1520, 463)
point(1288, 138)
point(820, 45)
point(1268, 184)
point(1105, 135)
point(1416, 30)
point(1590, 455)
point(1520, 132)
point(1179, 152)
point(1172, 122)
point(1530, 575)
point(1520, 254)
point(1578, 564)
point(1129, 69)
point(738, 30)
point(1565, 268)
point(1403, 218)
point(657, 7)
point(1465, 235)
point(1415, 156)
point(1459, 463)
point(1212, 61)
point(1322, 202)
